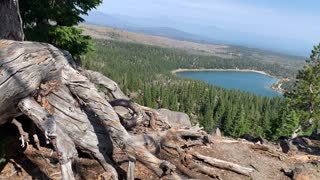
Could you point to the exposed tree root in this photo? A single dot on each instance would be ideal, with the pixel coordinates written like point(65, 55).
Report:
point(100, 79)
point(45, 160)
point(62, 101)
point(65, 147)
point(24, 136)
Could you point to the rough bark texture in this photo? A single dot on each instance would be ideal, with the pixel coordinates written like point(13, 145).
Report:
point(10, 20)
point(63, 143)
point(23, 66)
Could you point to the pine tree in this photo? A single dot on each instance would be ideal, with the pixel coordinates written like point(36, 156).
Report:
point(305, 96)
point(266, 123)
point(289, 122)
point(53, 22)
point(240, 125)
point(208, 119)
point(227, 124)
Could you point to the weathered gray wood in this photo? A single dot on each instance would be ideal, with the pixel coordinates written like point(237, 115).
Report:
point(99, 79)
point(64, 143)
point(24, 136)
point(131, 168)
point(81, 87)
point(140, 115)
point(10, 20)
point(224, 164)
point(82, 127)
point(23, 65)
point(66, 171)
point(202, 168)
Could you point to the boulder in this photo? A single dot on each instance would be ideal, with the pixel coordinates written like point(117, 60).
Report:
point(175, 119)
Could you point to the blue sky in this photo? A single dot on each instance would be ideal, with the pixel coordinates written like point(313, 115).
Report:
point(288, 19)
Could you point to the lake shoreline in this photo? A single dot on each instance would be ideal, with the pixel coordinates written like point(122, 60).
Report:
point(276, 86)
point(221, 70)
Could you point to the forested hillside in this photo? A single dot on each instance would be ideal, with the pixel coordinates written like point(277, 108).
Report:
point(219, 50)
point(144, 72)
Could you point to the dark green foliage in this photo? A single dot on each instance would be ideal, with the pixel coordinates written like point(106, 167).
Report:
point(288, 85)
point(53, 21)
point(288, 122)
point(145, 71)
point(68, 38)
point(304, 99)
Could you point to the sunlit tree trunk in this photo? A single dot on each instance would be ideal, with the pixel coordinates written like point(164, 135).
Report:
point(10, 20)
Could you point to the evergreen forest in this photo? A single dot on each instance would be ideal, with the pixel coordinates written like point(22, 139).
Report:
point(144, 72)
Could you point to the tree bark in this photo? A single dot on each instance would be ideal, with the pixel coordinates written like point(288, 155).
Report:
point(10, 20)
point(64, 144)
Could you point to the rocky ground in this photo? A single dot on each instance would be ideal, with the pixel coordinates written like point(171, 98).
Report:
point(267, 161)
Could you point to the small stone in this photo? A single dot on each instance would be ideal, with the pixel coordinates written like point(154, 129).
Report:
point(287, 172)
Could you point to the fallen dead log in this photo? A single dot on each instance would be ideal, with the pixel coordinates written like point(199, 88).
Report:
point(203, 169)
point(224, 164)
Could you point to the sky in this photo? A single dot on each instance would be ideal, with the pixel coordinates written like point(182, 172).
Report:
point(284, 19)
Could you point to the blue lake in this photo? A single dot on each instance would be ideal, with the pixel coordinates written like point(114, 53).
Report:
point(252, 82)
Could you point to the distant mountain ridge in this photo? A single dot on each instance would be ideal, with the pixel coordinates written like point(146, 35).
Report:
point(223, 51)
point(210, 34)
point(99, 18)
